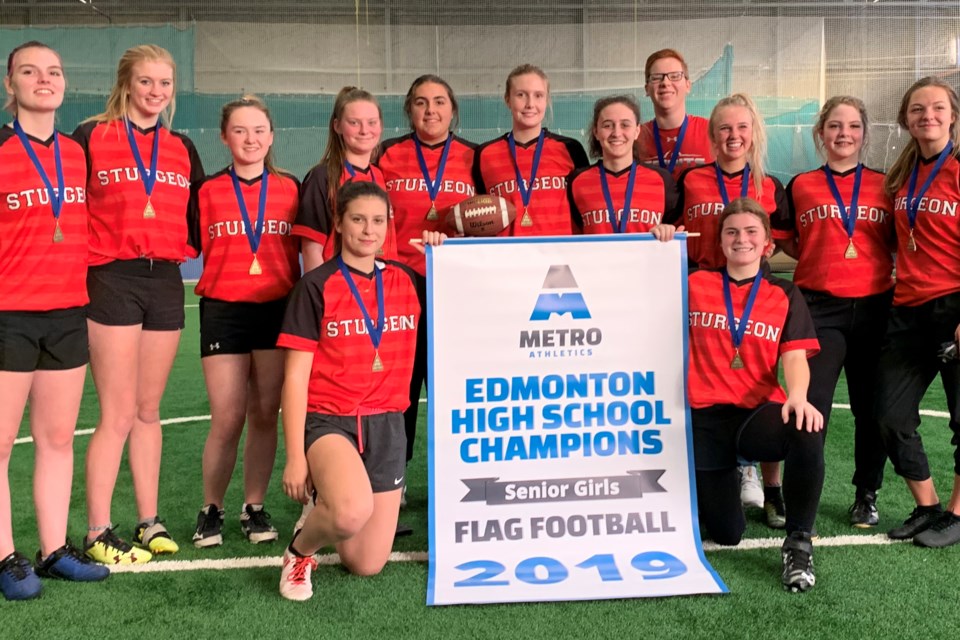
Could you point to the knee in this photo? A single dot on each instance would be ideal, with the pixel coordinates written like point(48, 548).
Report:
point(6, 445)
point(365, 566)
point(148, 414)
point(59, 441)
point(350, 516)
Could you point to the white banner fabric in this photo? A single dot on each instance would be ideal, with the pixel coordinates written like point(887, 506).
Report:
point(560, 452)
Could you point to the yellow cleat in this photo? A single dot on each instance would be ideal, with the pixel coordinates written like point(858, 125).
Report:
point(107, 548)
point(155, 537)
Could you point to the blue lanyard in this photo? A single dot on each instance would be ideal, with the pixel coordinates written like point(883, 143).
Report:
point(744, 182)
point(148, 178)
point(254, 234)
point(56, 197)
point(526, 189)
point(433, 186)
point(739, 329)
point(619, 224)
point(913, 203)
point(676, 147)
point(848, 215)
point(374, 331)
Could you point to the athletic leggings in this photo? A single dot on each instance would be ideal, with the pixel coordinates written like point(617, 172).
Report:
point(720, 433)
point(419, 368)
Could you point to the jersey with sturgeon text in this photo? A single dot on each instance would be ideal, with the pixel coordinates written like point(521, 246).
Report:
point(654, 193)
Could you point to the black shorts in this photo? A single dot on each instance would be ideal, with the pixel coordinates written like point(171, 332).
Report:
point(384, 444)
point(130, 292)
point(239, 327)
point(43, 340)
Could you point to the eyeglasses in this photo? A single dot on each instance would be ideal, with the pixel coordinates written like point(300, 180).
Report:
point(673, 76)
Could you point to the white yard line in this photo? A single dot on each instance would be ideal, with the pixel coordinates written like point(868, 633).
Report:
point(161, 566)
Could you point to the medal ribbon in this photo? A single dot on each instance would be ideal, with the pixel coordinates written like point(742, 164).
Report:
point(619, 224)
point(56, 198)
point(738, 329)
point(254, 234)
point(374, 331)
point(744, 182)
point(353, 172)
point(526, 191)
point(433, 186)
point(676, 147)
point(149, 179)
point(849, 216)
point(913, 203)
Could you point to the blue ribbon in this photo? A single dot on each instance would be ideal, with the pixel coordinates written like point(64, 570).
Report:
point(619, 224)
point(254, 234)
point(433, 186)
point(744, 182)
point(738, 329)
point(526, 191)
point(676, 147)
point(913, 203)
point(56, 198)
point(374, 331)
point(849, 216)
point(149, 179)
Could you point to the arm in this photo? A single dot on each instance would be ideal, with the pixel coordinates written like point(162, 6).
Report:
point(312, 254)
point(796, 373)
point(293, 404)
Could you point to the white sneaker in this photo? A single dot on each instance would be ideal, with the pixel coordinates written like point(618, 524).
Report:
point(307, 508)
point(295, 576)
point(751, 491)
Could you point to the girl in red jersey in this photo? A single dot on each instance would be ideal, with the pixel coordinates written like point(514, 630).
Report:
point(673, 140)
point(241, 219)
point(924, 326)
point(138, 188)
point(529, 165)
point(350, 334)
point(356, 123)
point(840, 230)
point(618, 195)
point(743, 323)
point(740, 142)
point(426, 172)
point(43, 332)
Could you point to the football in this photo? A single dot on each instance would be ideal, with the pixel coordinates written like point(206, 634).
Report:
point(483, 215)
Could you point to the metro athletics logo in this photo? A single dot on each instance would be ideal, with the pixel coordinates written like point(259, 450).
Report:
point(560, 299)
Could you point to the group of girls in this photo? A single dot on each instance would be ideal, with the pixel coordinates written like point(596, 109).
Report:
point(134, 202)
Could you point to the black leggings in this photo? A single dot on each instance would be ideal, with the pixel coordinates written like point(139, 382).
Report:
point(721, 433)
point(419, 369)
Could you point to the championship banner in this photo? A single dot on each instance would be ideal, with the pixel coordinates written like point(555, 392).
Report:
point(560, 451)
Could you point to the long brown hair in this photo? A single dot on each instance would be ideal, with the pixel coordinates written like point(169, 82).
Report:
point(335, 153)
point(596, 151)
point(435, 79)
point(899, 173)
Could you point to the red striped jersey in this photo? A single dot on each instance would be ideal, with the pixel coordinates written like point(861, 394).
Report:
point(779, 322)
point(36, 273)
point(117, 199)
point(654, 193)
point(695, 150)
point(217, 229)
point(408, 189)
point(494, 172)
point(701, 204)
point(323, 318)
point(315, 216)
point(815, 221)
point(932, 270)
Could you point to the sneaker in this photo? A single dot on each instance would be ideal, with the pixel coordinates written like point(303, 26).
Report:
point(107, 548)
point(775, 511)
point(17, 579)
point(68, 563)
point(209, 527)
point(943, 533)
point(863, 511)
point(154, 536)
point(797, 556)
point(921, 519)
point(295, 576)
point(751, 492)
point(307, 508)
point(255, 524)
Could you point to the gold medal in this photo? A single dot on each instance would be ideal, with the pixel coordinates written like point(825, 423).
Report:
point(432, 214)
point(851, 251)
point(377, 362)
point(526, 220)
point(57, 233)
point(911, 243)
point(737, 362)
point(148, 211)
point(255, 269)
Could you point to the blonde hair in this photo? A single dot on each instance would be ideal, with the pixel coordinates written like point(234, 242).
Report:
point(757, 154)
point(523, 70)
point(899, 173)
point(118, 103)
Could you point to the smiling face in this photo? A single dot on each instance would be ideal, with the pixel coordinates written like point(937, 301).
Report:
point(667, 94)
point(842, 134)
point(733, 134)
point(527, 101)
point(431, 112)
point(616, 130)
point(248, 136)
point(151, 89)
point(929, 117)
point(363, 227)
point(36, 82)
point(359, 127)
point(743, 239)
